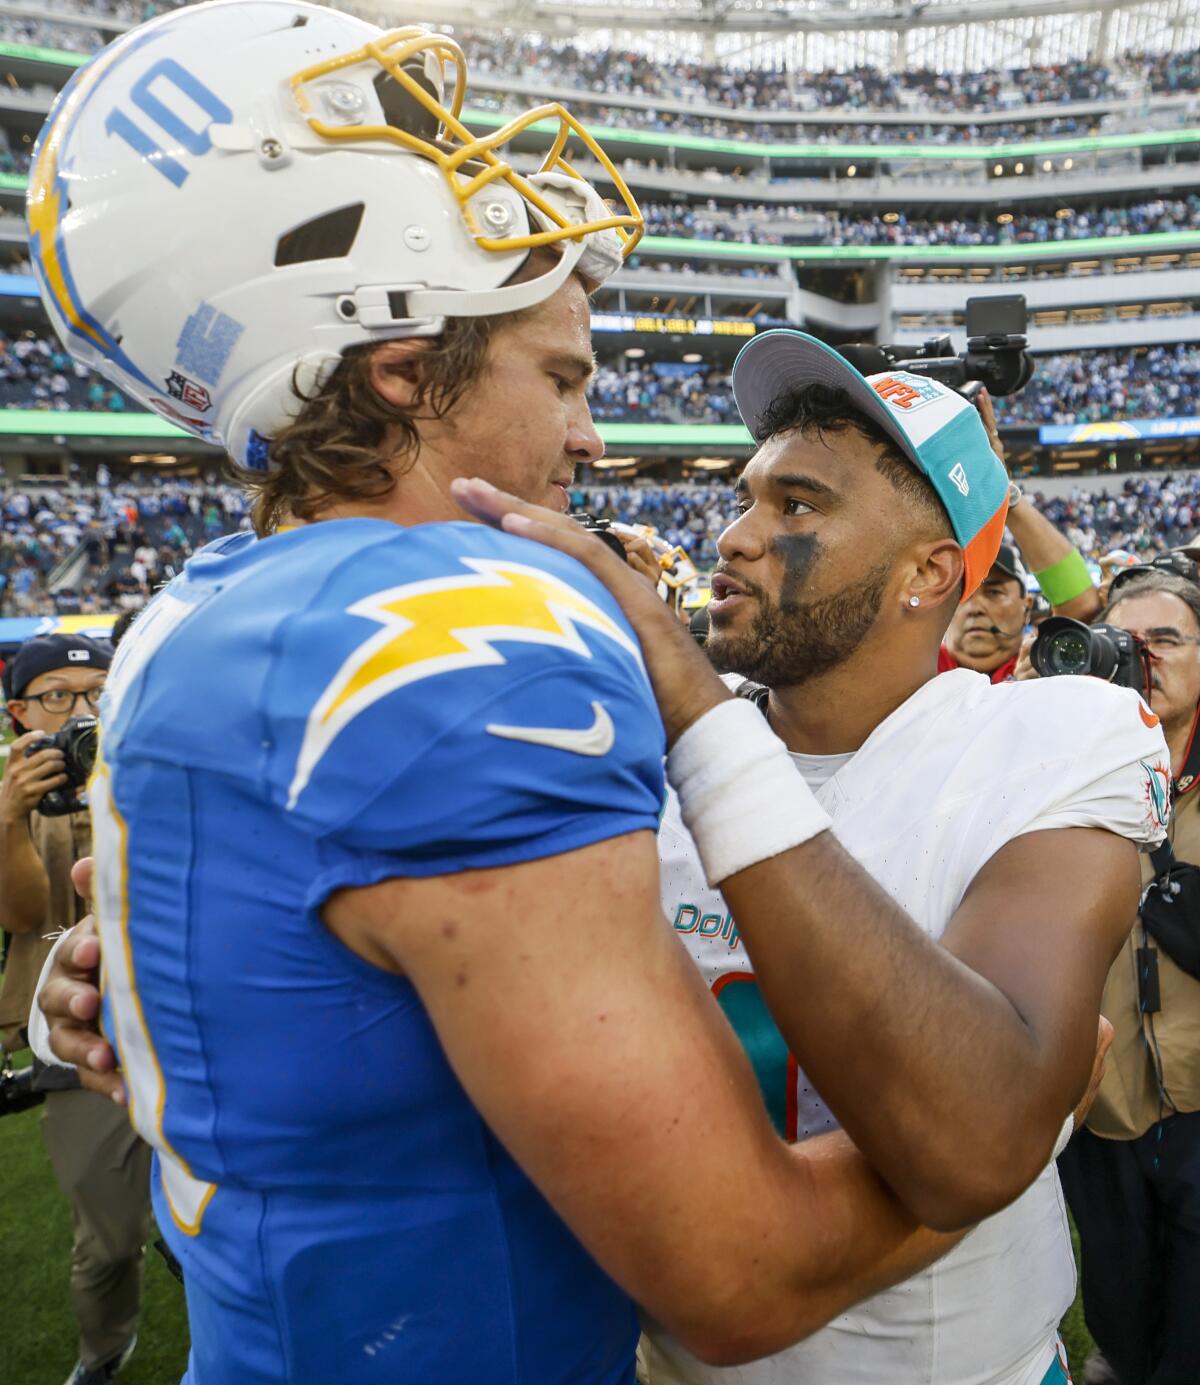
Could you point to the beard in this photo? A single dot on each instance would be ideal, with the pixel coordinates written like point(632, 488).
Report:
point(790, 642)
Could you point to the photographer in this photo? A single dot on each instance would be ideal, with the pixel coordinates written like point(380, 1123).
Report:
point(1132, 1175)
point(986, 632)
point(100, 1164)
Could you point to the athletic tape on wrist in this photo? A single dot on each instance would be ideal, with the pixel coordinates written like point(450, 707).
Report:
point(38, 1027)
point(1065, 580)
point(740, 795)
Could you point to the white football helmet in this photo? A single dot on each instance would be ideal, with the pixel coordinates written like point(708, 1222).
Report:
point(228, 197)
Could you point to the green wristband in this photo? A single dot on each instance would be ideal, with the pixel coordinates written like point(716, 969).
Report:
point(1065, 580)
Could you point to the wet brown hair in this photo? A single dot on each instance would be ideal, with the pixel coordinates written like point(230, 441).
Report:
point(334, 450)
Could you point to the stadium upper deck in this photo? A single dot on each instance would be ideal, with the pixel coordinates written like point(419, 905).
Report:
point(855, 184)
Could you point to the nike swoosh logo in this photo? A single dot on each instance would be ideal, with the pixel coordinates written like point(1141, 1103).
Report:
point(597, 739)
point(1149, 718)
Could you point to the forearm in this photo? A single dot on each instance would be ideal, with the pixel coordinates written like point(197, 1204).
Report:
point(865, 1240)
point(1043, 546)
point(871, 1240)
point(24, 888)
point(925, 1063)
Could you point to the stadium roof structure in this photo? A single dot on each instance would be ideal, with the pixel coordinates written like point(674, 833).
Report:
point(818, 35)
point(938, 36)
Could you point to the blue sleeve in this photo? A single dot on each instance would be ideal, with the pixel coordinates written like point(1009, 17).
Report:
point(494, 712)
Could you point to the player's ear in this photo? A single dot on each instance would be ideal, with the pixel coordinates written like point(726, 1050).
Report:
point(938, 574)
point(395, 369)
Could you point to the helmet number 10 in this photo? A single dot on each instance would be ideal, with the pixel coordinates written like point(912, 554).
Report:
point(187, 135)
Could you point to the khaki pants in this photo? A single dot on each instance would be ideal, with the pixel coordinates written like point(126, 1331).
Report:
point(103, 1169)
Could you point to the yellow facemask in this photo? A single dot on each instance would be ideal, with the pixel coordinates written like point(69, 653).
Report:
point(456, 148)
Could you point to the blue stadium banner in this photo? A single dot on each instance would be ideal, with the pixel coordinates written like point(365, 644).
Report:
point(1114, 430)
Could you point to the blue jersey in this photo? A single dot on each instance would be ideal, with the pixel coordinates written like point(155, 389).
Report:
point(329, 708)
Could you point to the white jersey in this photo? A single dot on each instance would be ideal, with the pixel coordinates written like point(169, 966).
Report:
point(963, 767)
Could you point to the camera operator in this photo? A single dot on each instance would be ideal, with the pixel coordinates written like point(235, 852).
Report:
point(101, 1166)
point(986, 632)
point(1132, 1175)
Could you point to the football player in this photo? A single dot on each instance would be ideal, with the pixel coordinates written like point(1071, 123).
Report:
point(1003, 825)
point(373, 785)
point(434, 1092)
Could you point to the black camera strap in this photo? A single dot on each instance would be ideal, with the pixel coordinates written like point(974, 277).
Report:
point(1170, 909)
point(1189, 777)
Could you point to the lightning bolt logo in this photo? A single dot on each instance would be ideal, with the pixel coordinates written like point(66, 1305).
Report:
point(442, 625)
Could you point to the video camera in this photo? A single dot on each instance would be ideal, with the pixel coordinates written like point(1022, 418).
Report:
point(1066, 646)
point(77, 740)
point(995, 356)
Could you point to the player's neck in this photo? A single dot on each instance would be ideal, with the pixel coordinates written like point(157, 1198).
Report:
point(835, 712)
point(415, 499)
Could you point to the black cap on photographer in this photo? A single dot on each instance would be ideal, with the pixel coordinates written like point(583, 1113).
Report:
point(1008, 560)
point(45, 653)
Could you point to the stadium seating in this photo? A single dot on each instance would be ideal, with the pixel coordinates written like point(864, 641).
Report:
point(1103, 238)
point(161, 523)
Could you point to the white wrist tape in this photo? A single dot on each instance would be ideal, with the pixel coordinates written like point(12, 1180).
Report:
point(1064, 1136)
point(38, 1028)
point(740, 795)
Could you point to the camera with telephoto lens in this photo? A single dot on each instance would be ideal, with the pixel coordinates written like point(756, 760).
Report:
point(995, 356)
point(77, 741)
point(602, 528)
point(1066, 646)
point(17, 1091)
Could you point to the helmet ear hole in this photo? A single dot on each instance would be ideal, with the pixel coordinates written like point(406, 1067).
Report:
point(401, 109)
point(326, 237)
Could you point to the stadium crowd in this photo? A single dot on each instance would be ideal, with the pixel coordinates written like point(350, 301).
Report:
point(1144, 514)
point(762, 224)
point(663, 393)
point(1163, 381)
point(603, 70)
point(692, 122)
point(35, 373)
point(1073, 387)
point(866, 88)
point(137, 533)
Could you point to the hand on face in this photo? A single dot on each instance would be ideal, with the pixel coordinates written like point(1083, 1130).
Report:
point(684, 682)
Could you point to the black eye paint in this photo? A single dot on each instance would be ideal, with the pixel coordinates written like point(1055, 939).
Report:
point(799, 552)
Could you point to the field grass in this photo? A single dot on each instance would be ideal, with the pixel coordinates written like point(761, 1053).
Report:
point(37, 1343)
